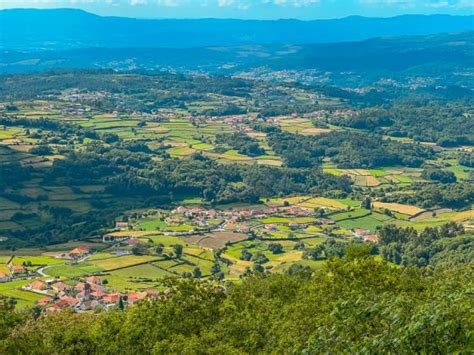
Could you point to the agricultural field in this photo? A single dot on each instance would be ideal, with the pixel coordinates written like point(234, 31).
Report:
point(185, 178)
point(371, 178)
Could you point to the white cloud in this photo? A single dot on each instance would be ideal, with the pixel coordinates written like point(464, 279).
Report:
point(224, 3)
point(169, 3)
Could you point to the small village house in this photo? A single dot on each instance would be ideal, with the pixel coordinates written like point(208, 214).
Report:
point(38, 285)
point(121, 225)
point(17, 270)
point(4, 277)
point(78, 253)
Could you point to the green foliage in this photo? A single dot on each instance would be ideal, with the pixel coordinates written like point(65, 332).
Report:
point(467, 159)
point(444, 245)
point(331, 248)
point(243, 143)
point(422, 120)
point(357, 306)
point(347, 150)
point(456, 195)
point(436, 174)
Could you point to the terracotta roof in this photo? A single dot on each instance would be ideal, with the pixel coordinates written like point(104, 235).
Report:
point(17, 267)
point(136, 296)
point(61, 286)
point(43, 301)
point(38, 285)
point(111, 298)
point(98, 294)
point(66, 302)
point(96, 287)
point(371, 238)
point(93, 279)
point(79, 250)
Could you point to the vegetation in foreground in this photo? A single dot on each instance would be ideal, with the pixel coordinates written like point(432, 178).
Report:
point(355, 304)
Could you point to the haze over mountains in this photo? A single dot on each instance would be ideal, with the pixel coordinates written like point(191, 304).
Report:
point(431, 55)
point(59, 29)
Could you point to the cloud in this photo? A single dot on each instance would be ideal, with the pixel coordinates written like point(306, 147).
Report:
point(168, 3)
point(224, 3)
point(295, 3)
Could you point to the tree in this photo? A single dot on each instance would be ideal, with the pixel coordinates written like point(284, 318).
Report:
point(246, 255)
point(159, 249)
point(299, 245)
point(384, 308)
point(121, 304)
point(215, 268)
point(259, 258)
point(367, 203)
point(197, 273)
point(275, 248)
point(178, 250)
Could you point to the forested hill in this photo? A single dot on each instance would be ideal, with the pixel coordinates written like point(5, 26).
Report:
point(30, 29)
point(443, 54)
point(357, 305)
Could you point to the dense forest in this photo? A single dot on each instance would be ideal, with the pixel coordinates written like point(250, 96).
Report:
point(445, 245)
point(355, 304)
point(447, 124)
point(347, 149)
point(452, 195)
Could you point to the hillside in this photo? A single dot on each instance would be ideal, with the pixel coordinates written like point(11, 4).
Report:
point(449, 56)
point(360, 306)
point(29, 29)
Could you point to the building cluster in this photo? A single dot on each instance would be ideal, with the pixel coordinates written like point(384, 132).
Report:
point(88, 294)
point(366, 235)
point(15, 271)
point(79, 96)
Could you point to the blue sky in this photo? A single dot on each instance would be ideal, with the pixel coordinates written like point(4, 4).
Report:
point(255, 9)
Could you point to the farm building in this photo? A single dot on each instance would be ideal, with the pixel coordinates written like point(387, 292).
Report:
point(359, 232)
point(93, 280)
point(42, 302)
point(78, 253)
point(4, 277)
point(60, 286)
point(371, 238)
point(112, 298)
point(136, 297)
point(17, 270)
point(121, 225)
point(38, 285)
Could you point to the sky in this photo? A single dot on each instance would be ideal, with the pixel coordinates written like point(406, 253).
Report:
point(253, 9)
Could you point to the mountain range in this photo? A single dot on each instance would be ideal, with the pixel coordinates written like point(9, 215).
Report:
point(438, 55)
point(59, 29)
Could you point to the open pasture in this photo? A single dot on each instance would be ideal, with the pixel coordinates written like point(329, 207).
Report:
point(37, 260)
point(73, 271)
point(117, 262)
point(24, 298)
point(136, 278)
point(322, 202)
point(215, 240)
point(397, 207)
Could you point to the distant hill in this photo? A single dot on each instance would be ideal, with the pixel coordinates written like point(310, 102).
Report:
point(32, 29)
point(433, 55)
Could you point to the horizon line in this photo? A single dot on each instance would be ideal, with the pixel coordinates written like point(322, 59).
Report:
point(227, 18)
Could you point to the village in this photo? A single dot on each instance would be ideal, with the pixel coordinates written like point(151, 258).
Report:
point(276, 221)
